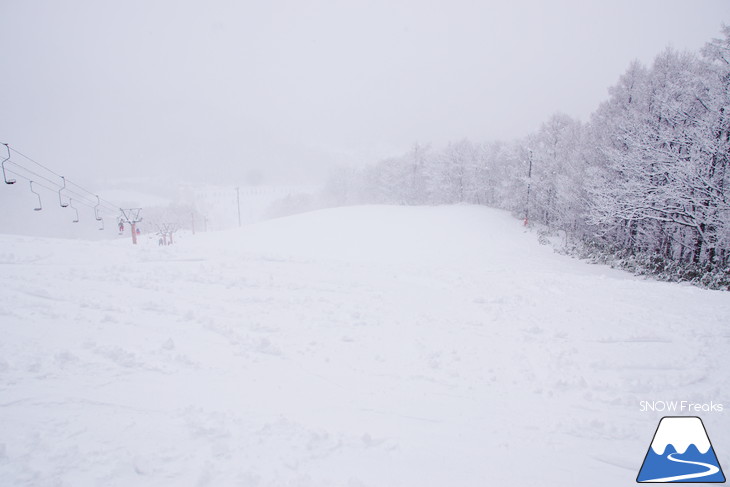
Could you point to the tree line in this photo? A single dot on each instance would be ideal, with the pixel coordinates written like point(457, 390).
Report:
point(642, 184)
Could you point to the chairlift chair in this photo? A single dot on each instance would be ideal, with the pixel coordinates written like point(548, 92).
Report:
point(96, 212)
point(60, 201)
point(40, 204)
point(70, 203)
point(5, 177)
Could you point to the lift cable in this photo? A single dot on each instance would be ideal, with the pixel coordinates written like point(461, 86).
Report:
point(91, 196)
point(53, 190)
point(78, 197)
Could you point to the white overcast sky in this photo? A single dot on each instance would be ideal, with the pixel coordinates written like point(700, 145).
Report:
point(215, 89)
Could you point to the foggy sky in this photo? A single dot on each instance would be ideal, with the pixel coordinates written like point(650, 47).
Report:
point(219, 90)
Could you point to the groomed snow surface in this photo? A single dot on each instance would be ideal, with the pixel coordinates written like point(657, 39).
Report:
point(365, 346)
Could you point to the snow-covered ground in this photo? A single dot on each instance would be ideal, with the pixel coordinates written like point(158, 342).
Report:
point(365, 346)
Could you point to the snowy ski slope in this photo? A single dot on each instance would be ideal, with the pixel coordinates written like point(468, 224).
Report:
point(365, 346)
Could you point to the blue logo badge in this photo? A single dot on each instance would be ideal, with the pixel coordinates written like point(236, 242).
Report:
point(681, 452)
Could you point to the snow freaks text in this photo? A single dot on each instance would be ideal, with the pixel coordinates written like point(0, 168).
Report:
point(680, 406)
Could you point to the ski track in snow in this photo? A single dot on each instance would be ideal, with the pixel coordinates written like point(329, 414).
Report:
point(366, 346)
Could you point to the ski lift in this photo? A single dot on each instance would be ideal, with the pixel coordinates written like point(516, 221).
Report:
point(96, 208)
point(5, 177)
point(60, 202)
point(96, 212)
point(70, 203)
point(40, 204)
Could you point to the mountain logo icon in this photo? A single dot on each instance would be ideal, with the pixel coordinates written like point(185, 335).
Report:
point(680, 452)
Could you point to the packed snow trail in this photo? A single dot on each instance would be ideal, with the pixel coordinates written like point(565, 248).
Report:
point(365, 346)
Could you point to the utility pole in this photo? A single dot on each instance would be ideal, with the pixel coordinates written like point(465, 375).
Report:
point(131, 216)
point(529, 182)
point(238, 202)
point(192, 218)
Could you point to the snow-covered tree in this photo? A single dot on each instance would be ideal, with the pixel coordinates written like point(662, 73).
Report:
point(646, 177)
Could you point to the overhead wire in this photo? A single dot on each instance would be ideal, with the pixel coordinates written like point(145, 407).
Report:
point(60, 176)
point(84, 198)
point(109, 205)
point(79, 197)
point(53, 190)
point(97, 201)
point(33, 161)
